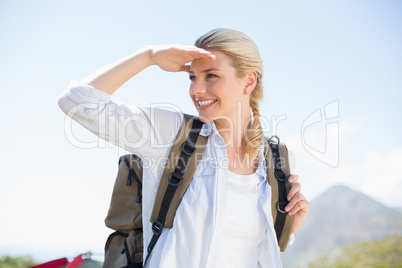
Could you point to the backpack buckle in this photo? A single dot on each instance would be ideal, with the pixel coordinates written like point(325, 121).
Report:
point(157, 227)
point(281, 206)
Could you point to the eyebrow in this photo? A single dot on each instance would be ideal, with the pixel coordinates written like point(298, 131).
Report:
point(205, 71)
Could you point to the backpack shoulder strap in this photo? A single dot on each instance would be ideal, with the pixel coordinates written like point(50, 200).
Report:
point(183, 159)
point(278, 171)
point(188, 138)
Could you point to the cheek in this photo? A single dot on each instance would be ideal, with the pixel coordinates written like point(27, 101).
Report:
point(192, 97)
point(195, 103)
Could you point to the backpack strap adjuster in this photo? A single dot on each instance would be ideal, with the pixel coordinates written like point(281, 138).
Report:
point(281, 206)
point(280, 175)
point(157, 227)
point(188, 148)
point(177, 179)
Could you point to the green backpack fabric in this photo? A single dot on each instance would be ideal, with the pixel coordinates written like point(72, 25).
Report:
point(124, 247)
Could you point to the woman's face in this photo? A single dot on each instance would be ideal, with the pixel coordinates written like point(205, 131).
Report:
point(215, 89)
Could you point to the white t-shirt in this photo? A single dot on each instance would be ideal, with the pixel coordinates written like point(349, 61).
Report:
point(244, 222)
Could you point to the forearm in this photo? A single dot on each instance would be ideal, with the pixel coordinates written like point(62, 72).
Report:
point(129, 127)
point(113, 76)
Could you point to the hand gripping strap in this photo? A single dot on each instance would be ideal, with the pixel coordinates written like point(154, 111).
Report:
point(278, 170)
point(177, 175)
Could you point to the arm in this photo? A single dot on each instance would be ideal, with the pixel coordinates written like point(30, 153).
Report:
point(114, 75)
point(89, 101)
point(170, 58)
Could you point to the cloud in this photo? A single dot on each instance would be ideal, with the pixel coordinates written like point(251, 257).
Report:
point(372, 172)
point(378, 176)
point(322, 140)
point(382, 177)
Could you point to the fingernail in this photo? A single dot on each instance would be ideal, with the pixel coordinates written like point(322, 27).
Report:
point(287, 208)
point(290, 179)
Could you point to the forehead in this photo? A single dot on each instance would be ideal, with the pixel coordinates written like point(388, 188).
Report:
point(221, 62)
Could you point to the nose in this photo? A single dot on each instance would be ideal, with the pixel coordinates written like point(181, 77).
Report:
point(197, 88)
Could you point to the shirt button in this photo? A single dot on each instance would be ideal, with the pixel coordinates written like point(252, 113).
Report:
point(263, 196)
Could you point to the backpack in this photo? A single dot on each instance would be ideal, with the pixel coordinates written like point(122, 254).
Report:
point(124, 247)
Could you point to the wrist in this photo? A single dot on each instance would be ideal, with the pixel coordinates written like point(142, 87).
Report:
point(146, 52)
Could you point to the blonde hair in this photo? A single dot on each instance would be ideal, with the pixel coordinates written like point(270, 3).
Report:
point(245, 57)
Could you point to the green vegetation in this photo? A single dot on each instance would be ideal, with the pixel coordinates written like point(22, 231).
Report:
point(384, 253)
point(16, 262)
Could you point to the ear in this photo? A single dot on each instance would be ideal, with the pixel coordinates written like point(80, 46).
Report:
point(251, 82)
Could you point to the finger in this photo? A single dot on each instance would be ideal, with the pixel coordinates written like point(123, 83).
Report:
point(209, 55)
point(301, 206)
point(293, 178)
point(185, 68)
point(296, 188)
point(297, 198)
point(202, 53)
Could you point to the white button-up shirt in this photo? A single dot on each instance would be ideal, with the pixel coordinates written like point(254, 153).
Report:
point(194, 239)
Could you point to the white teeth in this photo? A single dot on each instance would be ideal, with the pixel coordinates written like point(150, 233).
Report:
point(206, 102)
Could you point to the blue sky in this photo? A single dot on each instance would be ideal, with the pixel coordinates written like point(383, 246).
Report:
point(342, 56)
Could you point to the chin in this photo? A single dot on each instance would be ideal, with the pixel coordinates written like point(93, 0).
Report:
point(204, 119)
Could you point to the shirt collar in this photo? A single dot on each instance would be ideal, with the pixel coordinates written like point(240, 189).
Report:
point(262, 170)
point(206, 129)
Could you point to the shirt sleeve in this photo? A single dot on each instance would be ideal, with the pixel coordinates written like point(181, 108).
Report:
point(292, 161)
point(292, 239)
point(140, 130)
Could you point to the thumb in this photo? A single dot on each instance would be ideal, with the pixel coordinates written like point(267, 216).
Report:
point(185, 68)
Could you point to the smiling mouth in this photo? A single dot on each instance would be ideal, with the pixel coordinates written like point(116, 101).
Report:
point(205, 103)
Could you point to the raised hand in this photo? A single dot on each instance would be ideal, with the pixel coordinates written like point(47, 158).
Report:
point(173, 58)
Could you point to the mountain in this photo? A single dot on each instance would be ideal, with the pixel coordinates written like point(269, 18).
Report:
point(383, 253)
point(338, 217)
point(397, 209)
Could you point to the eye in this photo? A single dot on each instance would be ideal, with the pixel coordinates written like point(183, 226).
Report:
point(211, 76)
point(192, 77)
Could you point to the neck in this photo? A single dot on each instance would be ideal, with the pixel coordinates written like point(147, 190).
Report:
point(233, 128)
point(234, 137)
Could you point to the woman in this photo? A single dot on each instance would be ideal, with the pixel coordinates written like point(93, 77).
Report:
point(224, 218)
